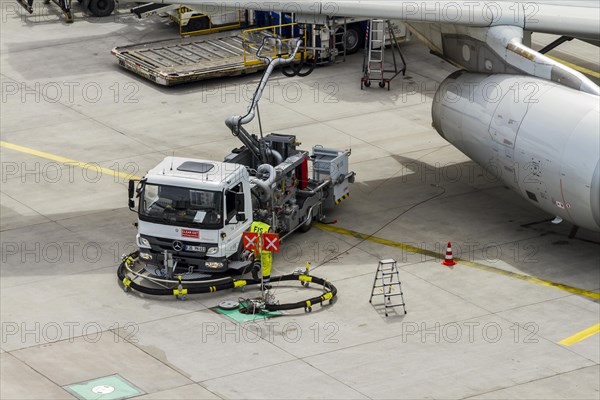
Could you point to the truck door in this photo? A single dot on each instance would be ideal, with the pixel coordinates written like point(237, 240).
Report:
point(234, 228)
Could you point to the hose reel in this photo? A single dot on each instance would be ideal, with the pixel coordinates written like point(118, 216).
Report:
point(131, 280)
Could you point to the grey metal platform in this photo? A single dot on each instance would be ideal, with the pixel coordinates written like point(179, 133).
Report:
point(176, 61)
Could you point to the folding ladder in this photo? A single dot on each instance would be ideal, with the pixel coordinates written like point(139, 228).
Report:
point(339, 42)
point(389, 285)
point(374, 61)
point(375, 53)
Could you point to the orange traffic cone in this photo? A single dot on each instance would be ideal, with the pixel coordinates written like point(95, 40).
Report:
point(449, 261)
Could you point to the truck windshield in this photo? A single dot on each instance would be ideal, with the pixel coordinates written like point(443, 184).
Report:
point(181, 206)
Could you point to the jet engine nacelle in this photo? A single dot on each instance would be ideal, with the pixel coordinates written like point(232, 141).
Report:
point(540, 138)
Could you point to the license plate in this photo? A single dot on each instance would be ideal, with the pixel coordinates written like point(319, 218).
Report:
point(200, 249)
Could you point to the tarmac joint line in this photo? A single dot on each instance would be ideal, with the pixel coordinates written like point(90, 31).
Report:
point(472, 264)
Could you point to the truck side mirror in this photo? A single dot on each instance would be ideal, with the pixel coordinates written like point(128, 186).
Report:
point(131, 194)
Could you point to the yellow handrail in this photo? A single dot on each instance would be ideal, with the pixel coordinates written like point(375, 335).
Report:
point(247, 46)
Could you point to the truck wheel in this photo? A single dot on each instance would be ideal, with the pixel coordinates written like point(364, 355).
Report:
point(352, 39)
point(102, 8)
point(238, 254)
point(198, 23)
point(307, 224)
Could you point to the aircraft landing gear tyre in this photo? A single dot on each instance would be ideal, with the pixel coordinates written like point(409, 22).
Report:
point(102, 8)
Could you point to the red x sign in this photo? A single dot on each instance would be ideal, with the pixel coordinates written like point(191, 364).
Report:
point(271, 242)
point(250, 240)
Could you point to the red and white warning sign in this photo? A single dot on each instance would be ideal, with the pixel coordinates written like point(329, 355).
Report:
point(271, 242)
point(190, 233)
point(250, 240)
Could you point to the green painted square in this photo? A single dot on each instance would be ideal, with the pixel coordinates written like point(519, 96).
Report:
point(240, 318)
point(111, 387)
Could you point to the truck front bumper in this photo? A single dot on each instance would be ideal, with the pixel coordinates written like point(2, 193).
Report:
point(209, 265)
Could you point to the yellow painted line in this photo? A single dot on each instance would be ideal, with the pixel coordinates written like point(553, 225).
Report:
point(330, 228)
point(483, 267)
point(578, 337)
point(576, 67)
point(67, 161)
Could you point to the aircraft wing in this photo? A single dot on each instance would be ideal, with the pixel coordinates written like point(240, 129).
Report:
point(479, 36)
point(575, 18)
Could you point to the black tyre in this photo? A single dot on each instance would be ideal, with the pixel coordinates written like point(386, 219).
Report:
point(238, 254)
point(307, 224)
point(352, 39)
point(198, 23)
point(102, 8)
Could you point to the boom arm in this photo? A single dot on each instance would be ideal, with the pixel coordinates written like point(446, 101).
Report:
point(235, 123)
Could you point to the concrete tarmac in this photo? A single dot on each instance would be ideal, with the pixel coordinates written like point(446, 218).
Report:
point(492, 327)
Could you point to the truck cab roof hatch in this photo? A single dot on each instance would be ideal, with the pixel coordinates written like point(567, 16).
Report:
point(197, 167)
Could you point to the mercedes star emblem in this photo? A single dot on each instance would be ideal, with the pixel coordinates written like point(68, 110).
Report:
point(177, 245)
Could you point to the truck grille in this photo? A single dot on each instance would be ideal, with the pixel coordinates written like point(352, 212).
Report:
point(162, 244)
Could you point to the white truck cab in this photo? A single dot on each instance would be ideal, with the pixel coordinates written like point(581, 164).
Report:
point(195, 209)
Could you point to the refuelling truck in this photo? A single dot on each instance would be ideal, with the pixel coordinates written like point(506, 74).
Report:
point(192, 212)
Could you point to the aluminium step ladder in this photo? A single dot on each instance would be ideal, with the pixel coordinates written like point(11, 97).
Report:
point(374, 62)
point(339, 42)
point(375, 53)
point(387, 280)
